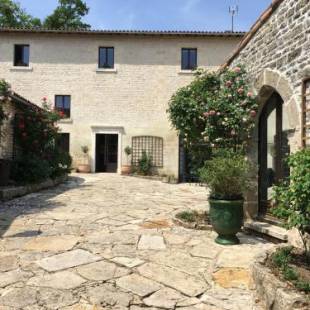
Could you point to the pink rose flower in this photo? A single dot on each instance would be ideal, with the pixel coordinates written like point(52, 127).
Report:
point(240, 91)
point(206, 114)
point(253, 113)
point(212, 112)
point(250, 94)
point(228, 83)
point(237, 69)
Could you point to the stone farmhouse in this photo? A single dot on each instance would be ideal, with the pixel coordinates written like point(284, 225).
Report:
point(113, 86)
point(276, 53)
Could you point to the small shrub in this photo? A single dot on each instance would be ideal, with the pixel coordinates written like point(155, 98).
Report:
point(227, 175)
point(282, 257)
point(283, 260)
point(187, 216)
point(30, 169)
point(85, 149)
point(292, 197)
point(60, 163)
point(145, 164)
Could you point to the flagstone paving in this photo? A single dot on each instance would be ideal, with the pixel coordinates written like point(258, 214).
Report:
point(108, 242)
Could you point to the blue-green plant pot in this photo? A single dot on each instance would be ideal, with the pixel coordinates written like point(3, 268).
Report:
point(226, 217)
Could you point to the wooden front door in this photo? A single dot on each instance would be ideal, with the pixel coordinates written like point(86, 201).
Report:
point(272, 151)
point(106, 152)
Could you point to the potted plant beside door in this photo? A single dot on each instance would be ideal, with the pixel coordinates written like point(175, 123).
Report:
point(84, 166)
point(227, 177)
point(126, 169)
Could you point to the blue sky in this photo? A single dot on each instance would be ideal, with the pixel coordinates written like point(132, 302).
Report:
point(161, 14)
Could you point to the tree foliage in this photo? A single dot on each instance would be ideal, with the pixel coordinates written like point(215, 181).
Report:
point(68, 15)
point(12, 15)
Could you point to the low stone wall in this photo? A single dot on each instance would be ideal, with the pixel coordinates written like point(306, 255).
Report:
point(273, 293)
point(10, 192)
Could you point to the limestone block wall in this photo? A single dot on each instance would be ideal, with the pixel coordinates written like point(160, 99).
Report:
point(6, 133)
point(130, 100)
point(278, 58)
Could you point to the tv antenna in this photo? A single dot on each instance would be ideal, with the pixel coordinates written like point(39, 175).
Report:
point(233, 11)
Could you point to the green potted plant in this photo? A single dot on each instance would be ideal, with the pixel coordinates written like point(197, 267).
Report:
point(84, 166)
point(226, 175)
point(126, 169)
point(145, 164)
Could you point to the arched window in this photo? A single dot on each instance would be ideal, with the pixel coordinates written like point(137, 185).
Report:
point(153, 146)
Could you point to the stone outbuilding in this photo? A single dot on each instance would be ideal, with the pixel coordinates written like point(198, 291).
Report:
point(276, 53)
point(7, 145)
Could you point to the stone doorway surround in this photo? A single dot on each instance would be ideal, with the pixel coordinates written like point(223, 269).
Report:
point(264, 85)
point(98, 129)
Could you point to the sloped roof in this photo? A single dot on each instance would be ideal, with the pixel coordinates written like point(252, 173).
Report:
point(125, 32)
point(257, 25)
point(21, 100)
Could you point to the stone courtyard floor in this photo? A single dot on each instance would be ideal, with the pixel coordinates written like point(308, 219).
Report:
point(108, 242)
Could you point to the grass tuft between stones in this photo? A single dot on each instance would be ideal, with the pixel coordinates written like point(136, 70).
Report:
point(292, 266)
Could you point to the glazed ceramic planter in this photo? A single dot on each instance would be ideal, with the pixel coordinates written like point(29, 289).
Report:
point(227, 219)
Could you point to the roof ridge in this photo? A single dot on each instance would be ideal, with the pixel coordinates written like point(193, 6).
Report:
point(120, 31)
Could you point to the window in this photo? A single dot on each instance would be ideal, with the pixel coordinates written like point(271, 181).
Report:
point(63, 142)
point(106, 57)
point(306, 112)
point(21, 55)
point(63, 104)
point(189, 59)
point(153, 146)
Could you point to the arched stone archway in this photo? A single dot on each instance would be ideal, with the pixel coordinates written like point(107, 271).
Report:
point(267, 84)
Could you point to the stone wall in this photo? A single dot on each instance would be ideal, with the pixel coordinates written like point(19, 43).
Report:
point(130, 100)
point(278, 58)
point(6, 133)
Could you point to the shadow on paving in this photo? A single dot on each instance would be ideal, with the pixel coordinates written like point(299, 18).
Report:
point(34, 203)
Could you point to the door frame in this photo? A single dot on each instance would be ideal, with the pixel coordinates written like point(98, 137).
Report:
point(108, 131)
point(275, 102)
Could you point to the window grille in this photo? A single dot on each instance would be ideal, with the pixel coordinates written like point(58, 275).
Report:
point(153, 146)
point(306, 113)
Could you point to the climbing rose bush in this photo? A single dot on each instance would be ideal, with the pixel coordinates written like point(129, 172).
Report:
point(216, 108)
point(36, 134)
point(4, 97)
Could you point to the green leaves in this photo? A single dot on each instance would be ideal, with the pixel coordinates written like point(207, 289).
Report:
point(226, 175)
point(217, 109)
point(293, 195)
point(12, 15)
point(68, 15)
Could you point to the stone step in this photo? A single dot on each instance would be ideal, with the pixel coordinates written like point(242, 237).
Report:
point(267, 229)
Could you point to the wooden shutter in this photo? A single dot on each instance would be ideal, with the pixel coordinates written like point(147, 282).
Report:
point(306, 112)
